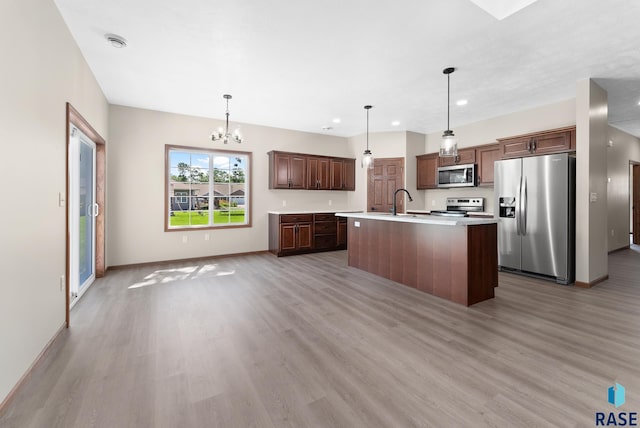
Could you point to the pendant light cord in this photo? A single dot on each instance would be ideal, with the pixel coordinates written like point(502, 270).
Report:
point(367, 108)
point(448, 98)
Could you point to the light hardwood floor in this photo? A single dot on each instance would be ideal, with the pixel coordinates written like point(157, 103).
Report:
point(259, 341)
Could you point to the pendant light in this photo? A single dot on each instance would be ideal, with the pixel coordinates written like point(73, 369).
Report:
point(226, 136)
point(367, 156)
point(448, 145)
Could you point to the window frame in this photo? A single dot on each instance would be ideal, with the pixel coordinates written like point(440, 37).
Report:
point(210, 152)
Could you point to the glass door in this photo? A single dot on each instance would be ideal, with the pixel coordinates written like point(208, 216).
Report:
point(82, 212)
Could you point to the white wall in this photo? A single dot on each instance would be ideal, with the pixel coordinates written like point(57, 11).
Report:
point(551, 116)
point(624, 148)
point(42, 69)
point(591, 162)
point(135, 185)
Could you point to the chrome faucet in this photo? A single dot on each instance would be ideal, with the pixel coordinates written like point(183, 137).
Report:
point(395, 210)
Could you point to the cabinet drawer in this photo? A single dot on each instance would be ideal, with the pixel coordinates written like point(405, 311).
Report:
point(325, 227)
point(296, 218)
point(325, 242)
point(325, 217)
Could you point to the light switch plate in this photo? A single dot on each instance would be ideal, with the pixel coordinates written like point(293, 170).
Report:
point(356, 223)
point(593, 197)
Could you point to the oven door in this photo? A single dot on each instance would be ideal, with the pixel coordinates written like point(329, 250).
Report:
point(457, 176)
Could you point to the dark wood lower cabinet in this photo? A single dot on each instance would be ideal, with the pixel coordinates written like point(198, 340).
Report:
point(291, 234)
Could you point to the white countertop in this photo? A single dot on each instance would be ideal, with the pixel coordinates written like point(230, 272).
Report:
point(469, 213)
point(417, 218)
point(310, 212)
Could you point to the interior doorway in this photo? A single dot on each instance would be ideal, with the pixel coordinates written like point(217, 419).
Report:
point(383, 179)
point(86, 164)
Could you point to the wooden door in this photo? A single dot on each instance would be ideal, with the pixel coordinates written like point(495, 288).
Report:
point(337, 178)
point(280, 172)
point(464, 156)
point(486, 157)
point(553, 142)
point(349, 172)
point(297, 172)
point(317, 173)
point(427, 166)
point(305, 234)
point(386, 176)
point(288, 237)
point(636, 204)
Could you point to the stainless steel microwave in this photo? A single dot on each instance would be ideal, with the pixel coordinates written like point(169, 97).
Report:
point(457, 175)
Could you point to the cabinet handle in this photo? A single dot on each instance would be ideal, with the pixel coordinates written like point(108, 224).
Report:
point(535, 144)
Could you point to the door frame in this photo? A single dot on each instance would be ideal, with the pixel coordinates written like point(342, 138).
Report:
point(75, 118)
point(635, 210)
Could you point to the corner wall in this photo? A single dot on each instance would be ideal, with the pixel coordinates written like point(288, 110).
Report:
point(42, 69)
point(591, 194)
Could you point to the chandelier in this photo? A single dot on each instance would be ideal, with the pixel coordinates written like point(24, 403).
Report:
point(226, 135)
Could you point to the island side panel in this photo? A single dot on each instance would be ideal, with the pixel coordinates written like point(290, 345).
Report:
point(483, 262)
point(450, 262)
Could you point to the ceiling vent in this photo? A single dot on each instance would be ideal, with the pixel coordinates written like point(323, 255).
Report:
point(116, 41)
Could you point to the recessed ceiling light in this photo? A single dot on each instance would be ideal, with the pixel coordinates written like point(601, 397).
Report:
point(116, 41)
point(462, 102)
point(395, 123)
point(336, 120)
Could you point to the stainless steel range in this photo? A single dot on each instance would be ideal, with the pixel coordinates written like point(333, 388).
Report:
point(459, 207)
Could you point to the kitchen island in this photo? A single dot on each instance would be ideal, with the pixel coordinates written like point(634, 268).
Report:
point(452, 258)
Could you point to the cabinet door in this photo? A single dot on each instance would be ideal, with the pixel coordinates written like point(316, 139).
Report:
point(515, 147)
point(427, 169)
point(342, 233)
point(552, 142)
point(349, 171)
point(305, 235)
point(464, 156)
point(337, 174)
point(297, 172)
point(280, 171)
point(317, 173)
point(288, 237)
point(486, 156)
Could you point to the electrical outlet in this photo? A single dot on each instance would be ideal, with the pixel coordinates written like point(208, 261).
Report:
point(185, 239)
point(330, 202)
point(62, 282)
point(284, 203)
point(206, 236)
point(612, 233)
point(433, 202)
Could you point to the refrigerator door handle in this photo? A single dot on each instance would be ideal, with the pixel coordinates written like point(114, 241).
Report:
point(523, 209)
point(518, 207)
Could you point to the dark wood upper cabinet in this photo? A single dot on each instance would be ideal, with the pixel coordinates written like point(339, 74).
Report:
point(485, 157)
point(463, 157)
point(287, 171)
point(318, 173)
point(349, 174)
point(540, 143)
point(427, 171)
point(305, 171)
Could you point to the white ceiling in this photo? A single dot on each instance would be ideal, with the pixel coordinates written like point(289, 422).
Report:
point(298, 64)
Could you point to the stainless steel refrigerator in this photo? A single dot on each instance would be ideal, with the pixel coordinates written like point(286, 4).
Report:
point(535, 205)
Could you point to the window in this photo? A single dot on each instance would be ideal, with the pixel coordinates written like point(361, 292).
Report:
point(206, 188)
